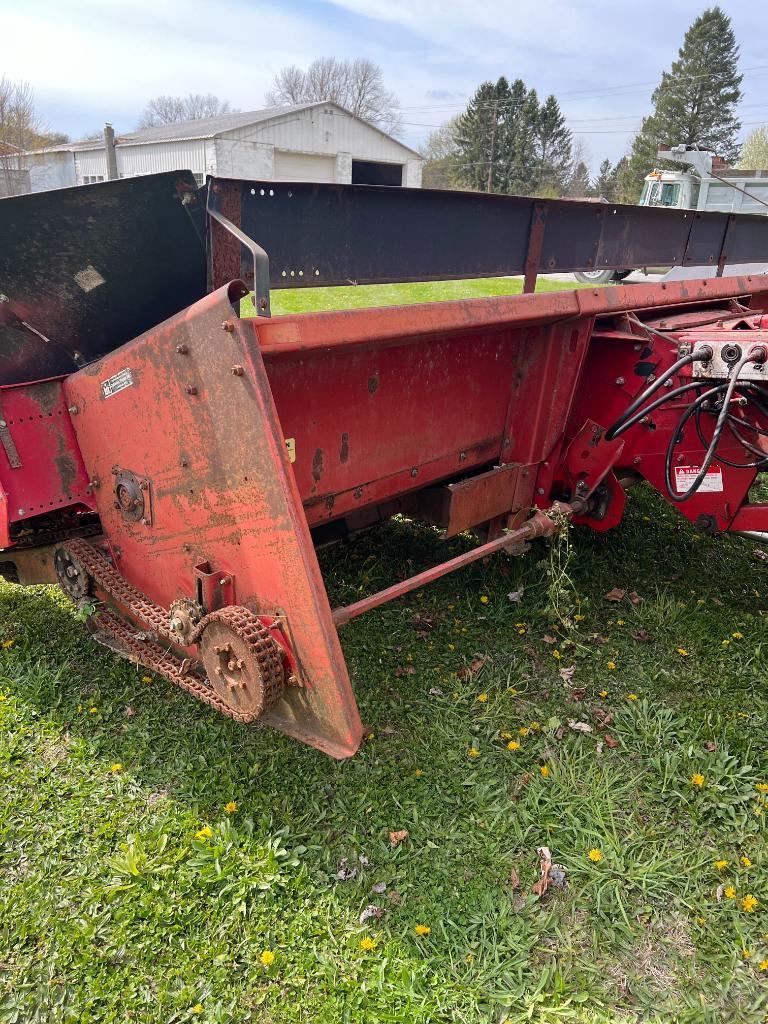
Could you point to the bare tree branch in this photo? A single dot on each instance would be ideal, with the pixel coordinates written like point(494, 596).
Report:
point(173, 109)
point(356, 85)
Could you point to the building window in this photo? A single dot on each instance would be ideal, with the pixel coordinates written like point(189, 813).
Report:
point(199, 177)
point(91, 179)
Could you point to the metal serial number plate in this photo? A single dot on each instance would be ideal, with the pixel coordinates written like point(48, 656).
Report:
point(118, 382)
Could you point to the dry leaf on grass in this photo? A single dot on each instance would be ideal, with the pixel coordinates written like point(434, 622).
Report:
point(469, 670)
point(379, 888)
point(371, 911)
point(514, 879)
point(549, 639)
point(405, 670)
point(345, 873)
point(602, 717)
point(641, 635)
point(579, 726)
point(516, 595)
point(719, 891)
point(610, 741)
point(395, 838)
point(435, 691)
point(711, 746)
point(617, 594)
point(576, 695)
point(567, 673)
point(394, 897)
point(545, 868)
point(634, 597)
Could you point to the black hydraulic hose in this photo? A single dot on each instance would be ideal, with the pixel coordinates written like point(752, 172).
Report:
point(722, 458)
point(733, 379)
point(675, 393)
point(651, 390)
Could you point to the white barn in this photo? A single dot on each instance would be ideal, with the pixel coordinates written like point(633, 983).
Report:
point(309, 142)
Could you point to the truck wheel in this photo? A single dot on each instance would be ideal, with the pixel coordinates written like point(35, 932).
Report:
point(601, 276)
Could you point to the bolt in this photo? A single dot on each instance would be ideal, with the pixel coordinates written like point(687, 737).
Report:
point(177, 625)
point(539, 490)
point(73, 410)
point(227, 326)
point(184, 462)
point(223, 582)
point(637, 346)
point(187, 548)
point(219, 670)
point(21, 511)
point(462, 456)
point(668, 383)
point(619, 381)
point(191, 389)
point(71, 571)
point(414, 472)
point(232, 665)
point(144, 521)
point(651, 378)
point(182, 349)
point(115, 470)
point(144, 485)
point(94, 483)
point(637, 460)
point(238, 371)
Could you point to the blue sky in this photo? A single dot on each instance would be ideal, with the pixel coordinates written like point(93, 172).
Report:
point(91, 61)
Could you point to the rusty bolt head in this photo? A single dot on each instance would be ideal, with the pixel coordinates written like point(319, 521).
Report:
point(238, 371)
point(145, 521)
point(144, 485)
point(191, 389)
point(182, 350)
point(94, 483)
point(232, 665)
point(115, 470)
point(187, 547)
point(262, 303)
point(227, 326)
point(219, 670)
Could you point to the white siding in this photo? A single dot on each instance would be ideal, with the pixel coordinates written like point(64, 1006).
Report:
point(243, 158)
point(50, 170)
point(189, 155)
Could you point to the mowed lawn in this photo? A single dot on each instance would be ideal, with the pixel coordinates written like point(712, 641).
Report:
point(162, 864)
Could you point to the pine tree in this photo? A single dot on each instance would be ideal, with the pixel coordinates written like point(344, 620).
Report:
point(695, 102)
point(553, 150)
point(478, 132)
point(754, 152)
point(578, 183)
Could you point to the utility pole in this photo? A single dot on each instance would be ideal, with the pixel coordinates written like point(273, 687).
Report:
point(489, 186)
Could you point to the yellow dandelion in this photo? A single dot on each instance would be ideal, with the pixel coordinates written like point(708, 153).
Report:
point(451, 647)
point(729, 891)
point(511, 691)
point(523, 730)
point(620, 622)
point(473, 752)
point(116, 767)
point(482, 698)
point(513, 745)
point(632, 696)
point(92, 711)
point(579, 618)
point(204, 833)
point(746, 862)
point(231, 806)
point(484, 599)
point(698, 779)
point(3, 697)
point(418, 773)
point(682, 652)
point(544, 771)
point(197, 1008)
point(268, 957)
point(456, 696)
point(603, 693)
point(367, 944)
point(8, 643)
point(726, 643)
point(611, 666)
point(505, 735)
point(146, 679)
point(556, 655)
point(422, 929)
point(535, 726)
point(761, 787)
point(763, 965)
point(746, 953)
point(522, 630)
point(749, 903)
point(737, 636)
point(595, 856)
point(721, 865)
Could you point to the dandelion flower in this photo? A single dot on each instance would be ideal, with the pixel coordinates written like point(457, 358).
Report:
point(92, 711)
point(146, 679)
point(231, 806)
point(682, 652)
point(473, 752)
point(579, 618)
point(505, 735)
point(544, 771)
point(603, 693)
point(746, 953)
point(721, 865)
point(422, 929)
point(511, 691)
point(366, 944)
point(268, 957)
point(729, 891)
point(8, 643)
point(482, 698)
point(619, 622)
point(749, 903)
point(513, 745)
point(535, 726)
point(746, 862)
point(737, 636)
point(418, 773)
point(204, 833)
point(611, 666)
point(451, 647)
point(197, 1008)
point(556, 655)
point(595, 856)
point(698, 779)
point(523, 730)
point(763, 965)
point(761, 787)
point(631, 696)
point(116, 767)
point(484, 599)
point(726, 643)
point(522, 630)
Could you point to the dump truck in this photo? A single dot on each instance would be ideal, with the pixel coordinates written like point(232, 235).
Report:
point(708, 185)
point(173, 455)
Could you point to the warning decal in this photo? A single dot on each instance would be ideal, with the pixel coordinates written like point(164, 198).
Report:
point(119, 382)
point(685, 475)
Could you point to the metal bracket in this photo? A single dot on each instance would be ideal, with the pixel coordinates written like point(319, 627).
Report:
point(258, 257)
point(9, 444)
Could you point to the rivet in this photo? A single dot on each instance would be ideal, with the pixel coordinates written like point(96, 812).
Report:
point(238, 371)
point(73, 410)
point(228, 326)
point(191, 389)
point(145, 522)
point(619, 381)
point(182, 349)
point(414, 472)
point(539, 490)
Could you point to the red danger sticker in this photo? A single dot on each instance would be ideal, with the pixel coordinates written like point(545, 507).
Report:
point(685, 475)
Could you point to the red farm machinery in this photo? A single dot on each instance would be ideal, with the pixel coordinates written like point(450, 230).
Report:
point(172, 455)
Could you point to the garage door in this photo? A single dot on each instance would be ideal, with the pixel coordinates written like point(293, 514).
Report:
point(304, 167)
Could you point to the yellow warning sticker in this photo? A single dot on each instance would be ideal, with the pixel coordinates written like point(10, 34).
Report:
point(290, 444)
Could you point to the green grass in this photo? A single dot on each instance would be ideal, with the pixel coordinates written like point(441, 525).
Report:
point(306, 300)
point(115, 907)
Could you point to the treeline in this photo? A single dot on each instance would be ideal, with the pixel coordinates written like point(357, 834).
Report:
point(507, 140)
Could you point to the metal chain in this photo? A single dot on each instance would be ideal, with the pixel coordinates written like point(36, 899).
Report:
point(241, 621)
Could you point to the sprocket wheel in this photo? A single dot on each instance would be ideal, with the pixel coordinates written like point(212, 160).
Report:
point(243, 661)
point(72, 575)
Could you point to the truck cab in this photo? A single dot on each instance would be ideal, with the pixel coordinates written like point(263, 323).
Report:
point(674, 189)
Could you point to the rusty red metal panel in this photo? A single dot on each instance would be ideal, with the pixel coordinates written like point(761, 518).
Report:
point(41, 470)
point(198, 423)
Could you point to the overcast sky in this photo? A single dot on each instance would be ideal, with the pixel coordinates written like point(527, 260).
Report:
point(92, 61)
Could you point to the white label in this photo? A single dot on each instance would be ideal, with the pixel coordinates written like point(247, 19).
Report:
point(89, 278)
point(685, 475)
point(119, 382)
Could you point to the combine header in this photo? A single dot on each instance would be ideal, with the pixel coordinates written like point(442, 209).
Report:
point(172, 455)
